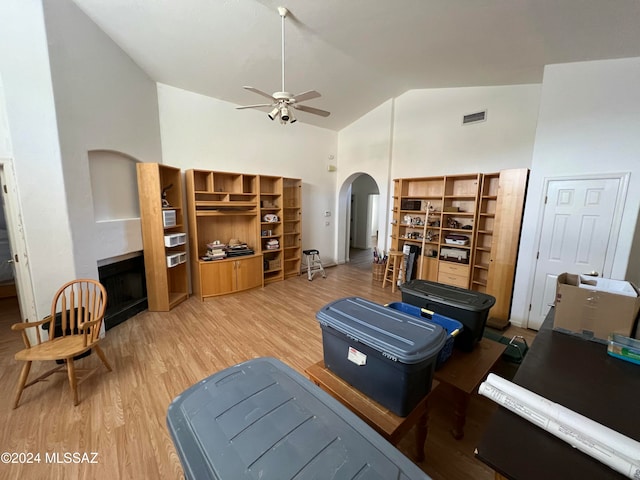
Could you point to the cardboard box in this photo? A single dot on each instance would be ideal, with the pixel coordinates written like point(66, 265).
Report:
point(595, 307)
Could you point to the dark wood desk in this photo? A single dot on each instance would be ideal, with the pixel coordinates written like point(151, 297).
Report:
point(579, 375)
point(385, 422)
point(464, 371)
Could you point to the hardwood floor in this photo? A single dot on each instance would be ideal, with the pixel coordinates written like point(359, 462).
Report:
point(155, 356)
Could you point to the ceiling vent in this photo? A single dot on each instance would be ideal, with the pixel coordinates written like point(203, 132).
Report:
point(474, 117)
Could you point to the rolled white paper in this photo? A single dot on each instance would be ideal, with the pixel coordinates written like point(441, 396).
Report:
point(602, 443)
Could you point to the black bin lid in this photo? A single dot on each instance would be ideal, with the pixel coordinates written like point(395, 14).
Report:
point(457, 297)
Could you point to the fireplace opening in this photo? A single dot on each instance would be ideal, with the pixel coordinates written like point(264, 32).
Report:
point(126, 288)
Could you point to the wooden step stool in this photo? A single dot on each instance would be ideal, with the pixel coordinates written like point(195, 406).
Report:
point(395, 265)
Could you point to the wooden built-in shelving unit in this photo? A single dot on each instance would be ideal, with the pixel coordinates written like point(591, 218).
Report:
point(472, 229)
point(292, 226)
point(253, 209)
point(163, 235)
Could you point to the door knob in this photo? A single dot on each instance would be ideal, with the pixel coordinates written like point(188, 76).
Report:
point(592, 273)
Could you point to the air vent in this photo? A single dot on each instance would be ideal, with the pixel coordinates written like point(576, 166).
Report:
point(474, 117)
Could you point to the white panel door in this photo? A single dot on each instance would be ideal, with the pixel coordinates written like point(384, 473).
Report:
point(17, 243)
point(575, 236)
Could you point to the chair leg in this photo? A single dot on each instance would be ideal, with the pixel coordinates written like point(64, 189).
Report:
point(73, 382)
point(21, 383)
point(385, 279)
point(102, 356)
point(394, 276)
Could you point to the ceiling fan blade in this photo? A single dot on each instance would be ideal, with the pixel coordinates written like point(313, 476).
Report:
point(301, 97)
point(255, 106)
point(315, 111)
point(259, 92)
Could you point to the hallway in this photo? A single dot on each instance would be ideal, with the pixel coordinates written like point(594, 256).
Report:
point(360, 257)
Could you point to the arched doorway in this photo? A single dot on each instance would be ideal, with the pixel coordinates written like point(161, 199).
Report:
point(359, 195)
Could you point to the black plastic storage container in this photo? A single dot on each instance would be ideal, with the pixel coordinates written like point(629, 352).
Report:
point(388, 355)
point(261, 419)
point(468, 307)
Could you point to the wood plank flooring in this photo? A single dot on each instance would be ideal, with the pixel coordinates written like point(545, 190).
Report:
point(155, 356)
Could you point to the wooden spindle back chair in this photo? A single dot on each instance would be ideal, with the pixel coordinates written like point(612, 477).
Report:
point(77, 312)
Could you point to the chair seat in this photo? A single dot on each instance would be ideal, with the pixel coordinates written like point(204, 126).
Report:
point(56, 349)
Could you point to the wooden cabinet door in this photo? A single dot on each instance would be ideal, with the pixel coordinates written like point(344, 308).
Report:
point(218, 277)
point(429, 269)
point(248, 272)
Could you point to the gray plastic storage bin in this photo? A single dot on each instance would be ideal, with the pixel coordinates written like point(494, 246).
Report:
point(468, 307)
point(263, 420)
point(388, 355)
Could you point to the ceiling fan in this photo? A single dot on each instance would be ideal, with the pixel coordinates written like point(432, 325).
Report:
point(283, 102)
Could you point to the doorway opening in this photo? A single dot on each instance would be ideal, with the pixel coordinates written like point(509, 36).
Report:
point(362, 218)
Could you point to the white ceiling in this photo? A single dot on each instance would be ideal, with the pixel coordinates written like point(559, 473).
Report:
point(360, 53)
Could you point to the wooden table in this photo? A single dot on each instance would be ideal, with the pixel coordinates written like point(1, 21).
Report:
point(464, 371)
point(579, 375)
point(381, 419)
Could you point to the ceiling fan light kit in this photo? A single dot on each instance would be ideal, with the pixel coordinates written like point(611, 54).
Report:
point(283, 102)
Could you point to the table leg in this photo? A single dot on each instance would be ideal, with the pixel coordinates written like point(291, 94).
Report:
point(421, 436)
point(460, 414)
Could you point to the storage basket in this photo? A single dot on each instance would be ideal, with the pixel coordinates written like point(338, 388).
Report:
point(452, 327)
point(169, 218)
point(378, 272)
point(176, 259)
point(175, 239)
point(274, 264)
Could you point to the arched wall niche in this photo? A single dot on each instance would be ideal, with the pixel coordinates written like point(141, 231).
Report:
point(114, 185)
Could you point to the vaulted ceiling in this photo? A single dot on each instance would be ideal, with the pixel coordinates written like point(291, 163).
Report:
point(360, 53)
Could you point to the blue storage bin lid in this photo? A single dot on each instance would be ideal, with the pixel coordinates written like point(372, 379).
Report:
point(395, 334)
point(262, 419)
point(452, 326)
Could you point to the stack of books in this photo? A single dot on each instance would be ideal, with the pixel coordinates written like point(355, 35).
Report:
point(272, 244)
point(216, 251)
point(238, 249)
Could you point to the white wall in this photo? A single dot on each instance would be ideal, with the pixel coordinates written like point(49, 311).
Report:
point(420, 133)
point(5, 135)
point(206, 133)
point(104, 101)
point(364, 147)
point(589, 124)
point(31, 121)
point(429, 138)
